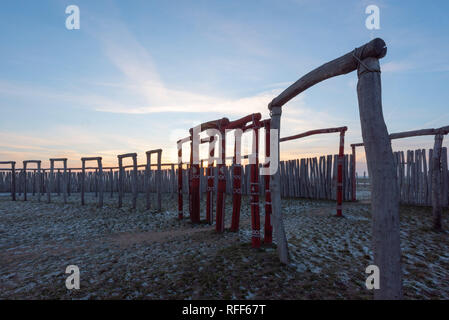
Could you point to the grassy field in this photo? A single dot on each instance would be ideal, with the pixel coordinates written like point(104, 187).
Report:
point(138, 254)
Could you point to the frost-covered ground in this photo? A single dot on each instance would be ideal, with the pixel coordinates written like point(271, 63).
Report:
point(127, 254)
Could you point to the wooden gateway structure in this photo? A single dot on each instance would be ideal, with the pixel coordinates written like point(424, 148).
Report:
point(341, 153)
point(98, 177)
point(385, 204)
point(13, 177)
point(38, 178)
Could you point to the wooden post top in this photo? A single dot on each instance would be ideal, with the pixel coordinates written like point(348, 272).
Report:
point(219, 124)
point(32, 161)
point(127, 155)
point(154, 151)
point(8, 162)
point(91, 158)
point(240, 123)
point(58, 159)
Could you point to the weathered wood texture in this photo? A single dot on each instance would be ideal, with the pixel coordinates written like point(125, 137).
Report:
point(384, 194)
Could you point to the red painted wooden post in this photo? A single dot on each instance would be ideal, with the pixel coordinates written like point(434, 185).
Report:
point(180, 213)
point(221, 190)
point(240, 125)
point(268, 228)
point(341, 155)
point(354, 182)
point(210, 183)
point(236, 185)
point(194, 186)
point(254, 170)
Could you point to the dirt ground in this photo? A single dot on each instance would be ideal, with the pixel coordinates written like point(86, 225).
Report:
point(138, 254)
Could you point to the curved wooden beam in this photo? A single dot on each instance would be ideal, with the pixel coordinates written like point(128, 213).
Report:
point(347, 63)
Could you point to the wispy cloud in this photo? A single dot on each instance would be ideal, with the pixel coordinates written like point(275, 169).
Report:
point(396, 66)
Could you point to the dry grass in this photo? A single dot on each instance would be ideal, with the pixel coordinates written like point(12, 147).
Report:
point(135, 254)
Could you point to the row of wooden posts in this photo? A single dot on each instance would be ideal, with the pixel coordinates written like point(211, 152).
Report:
point(414, 171)
point(46, 181)
point(313, 178)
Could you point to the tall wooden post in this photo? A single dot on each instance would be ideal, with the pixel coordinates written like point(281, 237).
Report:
point(159, 180)
point(180, 199)
point(50, 181)
point(436, 183)
point(384, 195)
point(69, 182)
point(353, 177)
point(135, 183)
point(111, 178)
point(25, 181)
point(100, 183)
point(13, 180)
point(275, 186)
point(221, 186)
point(254, 190)
point(268, 228)
point(341, 155)
point(64, 181)
point(210, 182)
point(237, 182)
point(83, 177)
point(147, 181)
point(194, 182)
point(120, 181)
point(39, 181)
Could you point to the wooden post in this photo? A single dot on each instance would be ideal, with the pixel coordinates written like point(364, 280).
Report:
point(101, 183)
point(147, 181)
point(180, 200)
point(50, 181)
point(254, 167)
point(221, 186)
point(236, 182)
point(268, 228)
point(134, 203)
point(436, 183)
point(25, 181)
point(64, 181)
point(69, 183)
point(120, 182)
point(275, 181)
point(210, 182)
point(13, 180)
point(159, 180)
point(354, 183)
point(384, 197)
point(83, 177)
point(111, 177)
point(39, 181)
point(341, 155)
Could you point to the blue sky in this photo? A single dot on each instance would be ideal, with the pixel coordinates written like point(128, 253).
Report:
point(138, 74)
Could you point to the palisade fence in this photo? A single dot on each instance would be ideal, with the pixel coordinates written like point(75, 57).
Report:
point(415, 176)
point(313, 178)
